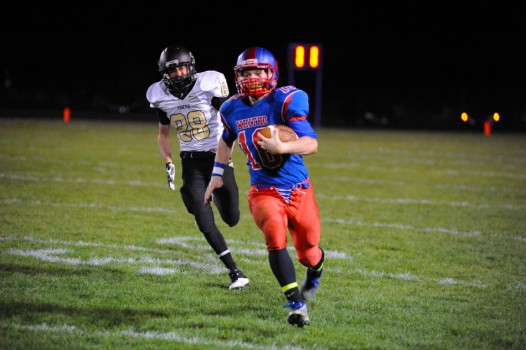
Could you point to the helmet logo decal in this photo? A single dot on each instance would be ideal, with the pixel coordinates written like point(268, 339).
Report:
point(172, 62)
point(250, 62)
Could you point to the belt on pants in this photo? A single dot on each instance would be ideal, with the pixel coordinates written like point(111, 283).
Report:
point(197, 154)
point(303, 184)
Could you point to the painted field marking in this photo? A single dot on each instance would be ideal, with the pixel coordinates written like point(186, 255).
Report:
point(453, 232)
point(457, 186)
point(420, 202)
point(157, 266)
point(169, 336)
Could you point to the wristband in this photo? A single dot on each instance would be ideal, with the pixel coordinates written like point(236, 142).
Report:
point(219, 169)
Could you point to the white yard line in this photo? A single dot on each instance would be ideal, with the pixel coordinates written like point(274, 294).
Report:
point(166, 266)
point(453, 232)
point(169, 336)
point(420, 202)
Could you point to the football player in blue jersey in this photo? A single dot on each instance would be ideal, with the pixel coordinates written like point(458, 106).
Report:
point(188, 101)
point(281, 196)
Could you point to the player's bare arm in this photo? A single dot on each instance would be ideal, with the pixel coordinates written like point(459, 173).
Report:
point(223, 155)
point(164, 143)
point(303, 146)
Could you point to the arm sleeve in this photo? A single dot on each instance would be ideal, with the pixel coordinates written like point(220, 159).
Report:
point(296, 108)
point(163, 117)
point(218, 101)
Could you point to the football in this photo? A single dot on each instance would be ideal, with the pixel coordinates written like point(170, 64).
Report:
point(286, 133)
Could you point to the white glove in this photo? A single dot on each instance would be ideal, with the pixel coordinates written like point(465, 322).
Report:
point(170, 174)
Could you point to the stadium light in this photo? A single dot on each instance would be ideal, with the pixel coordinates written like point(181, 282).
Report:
point(300, 54)
point(496, 117)
point(307, 57)
point(314, 57)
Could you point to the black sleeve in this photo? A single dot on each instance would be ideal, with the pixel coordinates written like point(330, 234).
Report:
point(163, 117)
point(218, 101)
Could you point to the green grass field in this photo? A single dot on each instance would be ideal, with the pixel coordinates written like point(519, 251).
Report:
point(424, 233)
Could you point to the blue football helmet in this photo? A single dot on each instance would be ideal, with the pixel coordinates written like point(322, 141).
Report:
point(256, 58)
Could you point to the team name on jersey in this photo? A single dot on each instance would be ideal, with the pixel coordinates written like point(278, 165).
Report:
point(183, 107)
point(252, 122)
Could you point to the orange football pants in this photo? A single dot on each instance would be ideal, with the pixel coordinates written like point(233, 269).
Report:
point(273, 215)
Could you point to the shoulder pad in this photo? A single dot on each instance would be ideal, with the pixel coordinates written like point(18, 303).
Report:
point(210, 80)
point(155, 92)
point(281, 93)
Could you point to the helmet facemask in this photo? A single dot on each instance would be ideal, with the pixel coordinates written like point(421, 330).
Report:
point(179, 85)
point(254, 87)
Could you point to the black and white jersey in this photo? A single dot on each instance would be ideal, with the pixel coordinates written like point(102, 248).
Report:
point(196, 122)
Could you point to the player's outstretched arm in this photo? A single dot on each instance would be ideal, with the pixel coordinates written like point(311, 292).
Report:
point(163, 142)
point(223, 155)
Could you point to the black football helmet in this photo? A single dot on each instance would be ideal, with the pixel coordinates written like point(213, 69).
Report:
point(176, 56)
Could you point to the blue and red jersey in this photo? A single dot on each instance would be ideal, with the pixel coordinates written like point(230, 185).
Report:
point(285, 105)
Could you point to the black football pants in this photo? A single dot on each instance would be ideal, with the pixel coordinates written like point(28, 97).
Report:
point(196, 172)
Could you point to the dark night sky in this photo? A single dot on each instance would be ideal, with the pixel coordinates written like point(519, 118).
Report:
point(437, 53)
